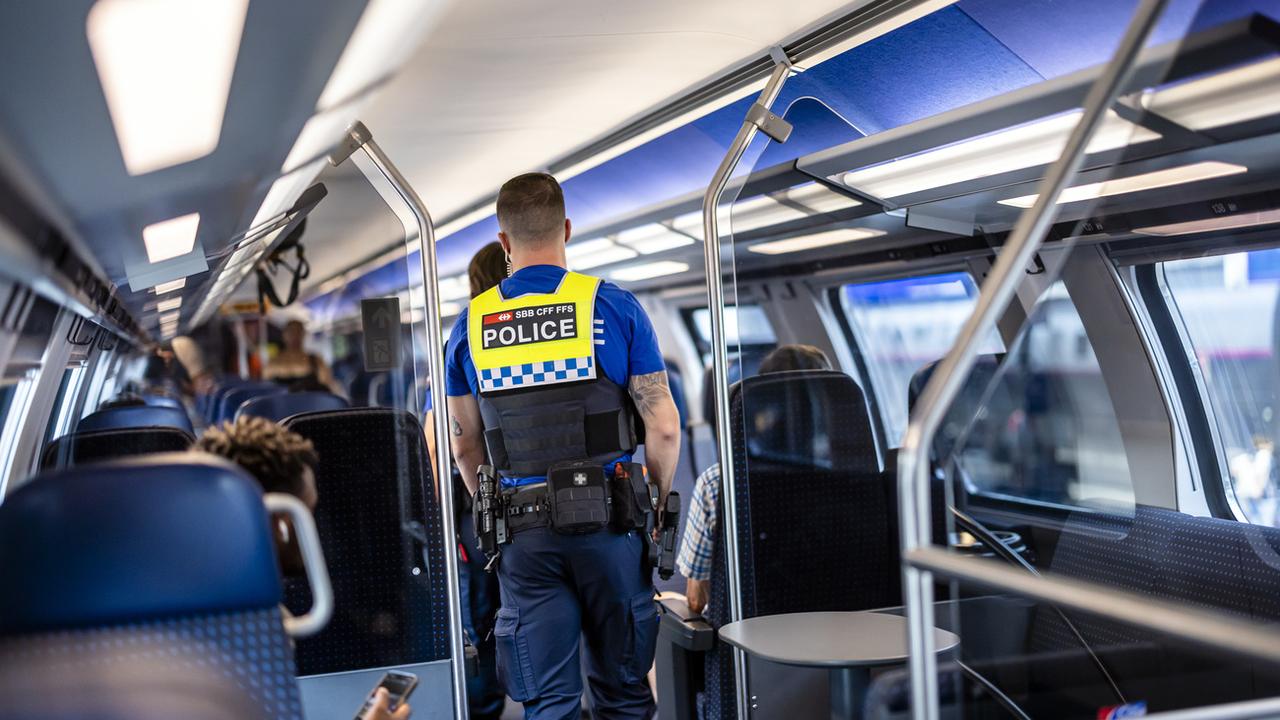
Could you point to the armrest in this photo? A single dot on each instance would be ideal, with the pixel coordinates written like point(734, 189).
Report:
point(683, 627)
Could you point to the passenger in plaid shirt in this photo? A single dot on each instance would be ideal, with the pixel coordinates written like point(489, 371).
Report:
point(698, 543)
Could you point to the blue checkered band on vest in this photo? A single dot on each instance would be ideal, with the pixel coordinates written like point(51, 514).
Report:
point(538, 374)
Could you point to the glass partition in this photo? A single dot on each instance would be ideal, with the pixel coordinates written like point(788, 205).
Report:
point(379, 509)
point(1060, 458)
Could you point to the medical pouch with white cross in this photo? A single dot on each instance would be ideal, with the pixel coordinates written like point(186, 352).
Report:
point(542, 398)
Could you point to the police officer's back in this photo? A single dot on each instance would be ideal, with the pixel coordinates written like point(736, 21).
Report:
point(550, 372)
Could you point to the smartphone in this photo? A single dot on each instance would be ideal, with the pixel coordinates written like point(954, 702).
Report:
point(400, 685)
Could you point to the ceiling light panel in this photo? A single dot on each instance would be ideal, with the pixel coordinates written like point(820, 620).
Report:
point(760, 212)
point(165, 306)
point(165, 69)
point(169, 287)
point(1137, 183)
point(286, 190)
point(603, 257)
point(649, 239)
point(583, 248)
point(817, 240)
point(171, 238)
point(819, 198)
point(1031, 145)
point(1225, 222)
point(1244, 93)
point(647, 271)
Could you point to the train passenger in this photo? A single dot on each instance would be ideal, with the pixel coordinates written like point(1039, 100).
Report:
point(480, 599)
point(694, 558)
point(297, 368)
point(538, 369)
point(282, 462)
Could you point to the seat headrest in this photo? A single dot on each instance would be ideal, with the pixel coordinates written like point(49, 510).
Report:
point(235, 397)
point(173, 534)
point(136, 416)
point(966, 403)
point(812, 418)
point(280, 406)
point(156, 400)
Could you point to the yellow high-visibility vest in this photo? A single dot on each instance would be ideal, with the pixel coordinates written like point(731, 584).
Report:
point(535, 339)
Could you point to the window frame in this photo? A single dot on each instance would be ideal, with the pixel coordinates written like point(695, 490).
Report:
point(1190, 390)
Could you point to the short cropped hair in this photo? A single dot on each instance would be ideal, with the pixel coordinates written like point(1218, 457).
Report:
point(488, 267)
point(794, 357)
point(530, 208)
point(274, 456)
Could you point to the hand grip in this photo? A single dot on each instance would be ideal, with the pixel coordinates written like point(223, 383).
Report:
point(312, 559)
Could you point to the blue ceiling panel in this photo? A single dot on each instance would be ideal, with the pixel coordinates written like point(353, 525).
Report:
point(1056, 37)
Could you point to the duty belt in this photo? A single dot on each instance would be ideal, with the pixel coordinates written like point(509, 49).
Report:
point(526, 507)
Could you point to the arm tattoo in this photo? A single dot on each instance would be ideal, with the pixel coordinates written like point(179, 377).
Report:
point(455, 427)
point(647, 391)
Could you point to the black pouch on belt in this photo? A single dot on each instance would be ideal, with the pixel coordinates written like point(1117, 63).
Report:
point(578, 493)
point(632, 504)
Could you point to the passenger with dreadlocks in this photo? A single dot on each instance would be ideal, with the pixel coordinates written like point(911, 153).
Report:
point(280, 460)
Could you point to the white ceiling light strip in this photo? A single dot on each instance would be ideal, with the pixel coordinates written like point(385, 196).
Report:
point(653, 238)
point(169, 287)
point(1226, 98)
point(811, 242)
point(166, 69)
point(1216, 224)
point(648, 271)
point(387, 33)
point(1025, 146)
point(1168, 177)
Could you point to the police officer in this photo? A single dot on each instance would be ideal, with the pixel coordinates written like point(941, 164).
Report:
point(550, 366)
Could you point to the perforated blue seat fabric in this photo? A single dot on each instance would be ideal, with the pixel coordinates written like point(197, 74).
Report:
point(279, 406)
point(813, 510)
point(378, 520)
point(97, 445)
point(113, 567)
point(137, 416)
point(236, 396)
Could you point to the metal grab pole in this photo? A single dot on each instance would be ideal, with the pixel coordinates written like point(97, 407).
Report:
point(360, 135)
point(720, 357)
point(944, 385)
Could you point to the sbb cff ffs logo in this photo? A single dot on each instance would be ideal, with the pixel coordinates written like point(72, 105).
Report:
point(541, 323)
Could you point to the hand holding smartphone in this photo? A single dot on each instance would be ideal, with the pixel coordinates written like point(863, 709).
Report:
point(399, 686)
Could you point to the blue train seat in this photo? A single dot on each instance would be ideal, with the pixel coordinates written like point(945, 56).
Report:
point(79, 448)
point(125, 565)
point(279, 406)
point(157, 400)
point(236, 396)
point(136, 416)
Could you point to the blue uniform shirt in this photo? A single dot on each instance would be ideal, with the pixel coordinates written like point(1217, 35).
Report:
point(624, 339)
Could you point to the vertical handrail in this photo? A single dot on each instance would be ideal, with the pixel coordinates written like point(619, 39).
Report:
point(720, 361)
point(360, 136)
point(944, 385)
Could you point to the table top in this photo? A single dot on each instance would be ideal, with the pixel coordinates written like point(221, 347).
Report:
point(834, 639)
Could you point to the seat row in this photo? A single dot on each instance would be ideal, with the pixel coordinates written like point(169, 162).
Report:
point(163, 566)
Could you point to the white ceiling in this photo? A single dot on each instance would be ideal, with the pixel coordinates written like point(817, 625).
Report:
point(500, 87)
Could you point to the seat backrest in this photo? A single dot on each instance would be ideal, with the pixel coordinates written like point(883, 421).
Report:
point(813, 526)
point(235, 397)
point(279, 406)
point(136, 416)
point(378, 519)
point(169, 558)
point(80, 448)
point(675, 379)
point(158, 400)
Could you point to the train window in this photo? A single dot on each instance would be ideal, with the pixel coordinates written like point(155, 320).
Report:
point(62, 403)
point(1040, 425)
point(748, 328)
point(902, 325)
point(1227, 307)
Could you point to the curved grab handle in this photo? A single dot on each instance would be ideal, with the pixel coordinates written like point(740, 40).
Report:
point(312, 559)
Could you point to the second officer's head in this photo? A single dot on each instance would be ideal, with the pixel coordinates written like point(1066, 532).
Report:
point(531, 219)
